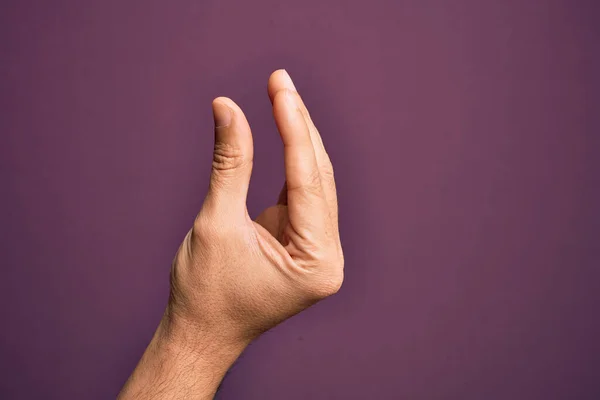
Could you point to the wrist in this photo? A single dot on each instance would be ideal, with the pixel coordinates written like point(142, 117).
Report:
point(182, 360)
point(197, 340)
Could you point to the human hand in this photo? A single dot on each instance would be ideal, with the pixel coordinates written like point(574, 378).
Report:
point(233, 278)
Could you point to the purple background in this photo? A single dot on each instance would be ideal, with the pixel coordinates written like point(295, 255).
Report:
point(465, 136)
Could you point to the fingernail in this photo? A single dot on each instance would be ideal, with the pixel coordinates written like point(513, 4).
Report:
point(290, 99)
point(222, 115)
point(287, 81)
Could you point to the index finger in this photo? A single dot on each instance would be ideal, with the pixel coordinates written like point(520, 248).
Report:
point(305, 195)
point(279, 80)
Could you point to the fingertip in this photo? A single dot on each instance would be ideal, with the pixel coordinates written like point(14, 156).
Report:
point(279, 80)
point(274, 75)
point(287, 81)
point(272, 85)
point(285, 105)
point(226, 101)
point(222, 113)
point(231, 124)
point(276, 98)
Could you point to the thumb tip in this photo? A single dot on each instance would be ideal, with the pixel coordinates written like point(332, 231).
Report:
point(222, 113)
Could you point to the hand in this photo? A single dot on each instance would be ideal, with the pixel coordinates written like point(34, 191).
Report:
point(234, 278)
point(240, 277)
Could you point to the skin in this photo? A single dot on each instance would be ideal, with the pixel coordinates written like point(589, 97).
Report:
point(234, 278)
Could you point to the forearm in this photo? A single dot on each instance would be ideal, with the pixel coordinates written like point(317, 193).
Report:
point(181, 362)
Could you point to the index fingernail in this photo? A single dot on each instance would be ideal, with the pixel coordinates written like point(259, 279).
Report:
point(290, 99)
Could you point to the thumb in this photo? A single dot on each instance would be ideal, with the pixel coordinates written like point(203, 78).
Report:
point(232, 159)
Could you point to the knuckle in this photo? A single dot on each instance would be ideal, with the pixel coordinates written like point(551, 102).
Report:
point(227, 157)
point(330, 280)
point(310, 185)
point(331, 285)
point(338, 262)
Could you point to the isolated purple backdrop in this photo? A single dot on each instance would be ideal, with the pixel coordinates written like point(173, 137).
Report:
point(465, 136)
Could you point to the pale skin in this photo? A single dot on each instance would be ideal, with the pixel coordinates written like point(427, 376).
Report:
point(234, 278)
